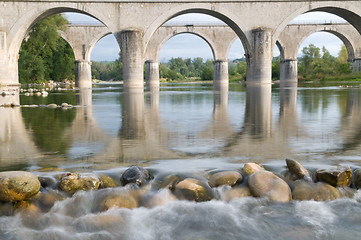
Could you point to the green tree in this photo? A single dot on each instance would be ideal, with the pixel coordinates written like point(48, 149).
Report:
point(44, 55)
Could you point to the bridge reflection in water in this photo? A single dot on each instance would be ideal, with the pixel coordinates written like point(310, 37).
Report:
point(270, 125)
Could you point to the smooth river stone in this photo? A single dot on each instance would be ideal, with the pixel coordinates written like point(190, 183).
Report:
point(297, 170)
point(314, 191)
point(135, 174)
point(193, 190)
point(236, 193)
point(74, 182)
point(250, 168)
point(18, 186)
point(267, 184)
point(336, 176)
point(230, 178)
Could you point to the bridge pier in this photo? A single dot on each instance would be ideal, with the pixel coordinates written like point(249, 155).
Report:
point(220, 73)
point(152, 73)
point(356, 64)
point(83, 74)
point(260, 61)
point(288, 72)
point(131, 45)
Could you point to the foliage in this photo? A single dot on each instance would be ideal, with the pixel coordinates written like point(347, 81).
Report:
point(180, 69)
point(107, 71)
point(237, 70)
point(44, 55)
point(320, 64)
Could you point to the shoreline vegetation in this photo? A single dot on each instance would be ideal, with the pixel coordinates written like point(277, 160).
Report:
point(45, 56)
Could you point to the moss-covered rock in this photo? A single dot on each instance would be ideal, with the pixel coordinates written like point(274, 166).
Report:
point(18, 186)
point(107, 182)
point(71, 183)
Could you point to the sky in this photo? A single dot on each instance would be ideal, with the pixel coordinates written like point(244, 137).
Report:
point(191, 46)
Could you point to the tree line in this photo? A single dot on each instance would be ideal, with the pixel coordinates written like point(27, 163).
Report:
point(45, 55)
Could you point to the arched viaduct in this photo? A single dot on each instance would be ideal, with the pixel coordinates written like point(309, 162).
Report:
point(83, 38)
point(258, 23)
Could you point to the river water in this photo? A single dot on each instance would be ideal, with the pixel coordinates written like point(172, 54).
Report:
point(187, 129)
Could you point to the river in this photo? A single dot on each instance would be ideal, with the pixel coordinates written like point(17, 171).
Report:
point(189, 130)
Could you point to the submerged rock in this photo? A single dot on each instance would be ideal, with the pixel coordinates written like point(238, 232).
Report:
point(356, 178)
point(297, 170)
point(267, 184)
point(74, 182)
point(135, 174)
point(18, 186)
point(250, 168)
point(336, 176)
point(169, 182)
point(107, 182)
point(193, 190)
point(230, 178)
point(314, 191)
point(236, 192)
point(118, 200)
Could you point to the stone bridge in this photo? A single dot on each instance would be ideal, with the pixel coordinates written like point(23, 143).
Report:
point(258, 24)
point(83, 39)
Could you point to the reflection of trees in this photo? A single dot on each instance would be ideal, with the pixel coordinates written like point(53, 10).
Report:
point(350, 123)
point(48, 126)
point(314, 100)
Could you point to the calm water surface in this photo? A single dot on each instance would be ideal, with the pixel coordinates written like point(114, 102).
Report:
point(187, 129)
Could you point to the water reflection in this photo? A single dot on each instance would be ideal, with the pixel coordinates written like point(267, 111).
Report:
point(176, 122)
point(16, 143)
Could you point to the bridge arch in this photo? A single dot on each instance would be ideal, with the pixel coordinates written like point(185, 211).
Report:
point(24, 24)
point(349, 12)
point(208, 9)
point(294, 35)
point(153, 54)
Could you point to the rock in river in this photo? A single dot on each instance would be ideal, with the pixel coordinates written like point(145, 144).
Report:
point(336, 176)
point(250, 168)
point(267, 184)
point(73, 182)
point(356, 178)
point(314, 191)
point(193, 190)
point(230, 178)
point(297, 170)
point(135, 174)
point(18, 186)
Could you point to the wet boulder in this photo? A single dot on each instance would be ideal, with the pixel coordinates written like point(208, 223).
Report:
point(319, 191)
point(193, 190)
point(71, 183)
point(230, 178)
point(356, 178)
point(135, 174)
point(297, 170)
point(236, 193)
point(118, 200)
point(107, 182)
point(168, 181)
point(250, 168)
point(18, 186)
point(336, 176)
point(267, 184)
